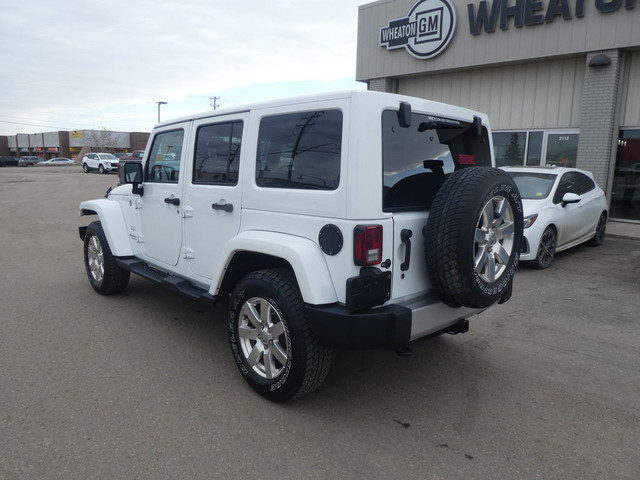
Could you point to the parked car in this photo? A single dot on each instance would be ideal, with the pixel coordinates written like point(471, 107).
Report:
point(29, 161)
point(280, 209)
point(103, 162)
point(58, 161)
point(563, 207)
point(7, 161)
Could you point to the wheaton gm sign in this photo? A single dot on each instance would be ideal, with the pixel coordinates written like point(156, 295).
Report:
point(430, 24)
point(425, 32)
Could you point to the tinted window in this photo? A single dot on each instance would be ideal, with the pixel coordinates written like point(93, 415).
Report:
point(217, 155)
point(573, 182)
point(417, 159)
point(509, 148)
point(300, 150)
point(164, 160)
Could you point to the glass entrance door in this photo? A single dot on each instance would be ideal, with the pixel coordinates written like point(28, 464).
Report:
point(560, 148)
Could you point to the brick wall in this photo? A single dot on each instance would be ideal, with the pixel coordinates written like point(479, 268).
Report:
point(598, 120)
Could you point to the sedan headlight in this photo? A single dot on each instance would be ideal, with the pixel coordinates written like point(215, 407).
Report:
point(530, 220)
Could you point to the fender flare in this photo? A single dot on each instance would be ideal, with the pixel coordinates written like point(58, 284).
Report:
point(304, 256)
point(113, 224)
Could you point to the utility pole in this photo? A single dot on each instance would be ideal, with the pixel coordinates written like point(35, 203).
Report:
point(213, 102)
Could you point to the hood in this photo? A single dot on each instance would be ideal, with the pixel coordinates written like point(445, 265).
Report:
point(532, 206)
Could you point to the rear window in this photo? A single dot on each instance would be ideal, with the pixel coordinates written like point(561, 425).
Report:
point(300, 150)
point(416, 160)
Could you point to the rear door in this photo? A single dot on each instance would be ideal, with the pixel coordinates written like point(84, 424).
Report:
point(416, 162)
point(212, 207)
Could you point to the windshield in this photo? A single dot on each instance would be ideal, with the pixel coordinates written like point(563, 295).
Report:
point(108, 156)
point(416, 160)
point(533, 186)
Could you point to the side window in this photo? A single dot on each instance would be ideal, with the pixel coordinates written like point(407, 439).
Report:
point(164, 160)
point(217, 154)
point(300, 150)
point(585, 184)
point(569, 183)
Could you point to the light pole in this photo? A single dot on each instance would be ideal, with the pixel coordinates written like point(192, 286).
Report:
point(160, 103)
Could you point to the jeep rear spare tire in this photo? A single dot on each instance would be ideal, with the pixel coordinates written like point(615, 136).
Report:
point(473, 237)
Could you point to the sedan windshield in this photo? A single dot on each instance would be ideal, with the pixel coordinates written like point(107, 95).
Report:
point(534, 186)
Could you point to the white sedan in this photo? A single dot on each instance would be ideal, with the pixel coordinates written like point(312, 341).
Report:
point(563, 207)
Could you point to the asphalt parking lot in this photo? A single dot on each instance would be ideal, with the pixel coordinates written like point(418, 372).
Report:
point(143, 385)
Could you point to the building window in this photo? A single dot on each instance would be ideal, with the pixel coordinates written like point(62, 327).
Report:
point(625, 195)
point(552, 147)
point(509, 148)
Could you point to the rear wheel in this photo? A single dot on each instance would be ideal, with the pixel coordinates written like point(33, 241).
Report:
point(270, 338)
point(546, 249)
point(105, 276)
point(85, 167)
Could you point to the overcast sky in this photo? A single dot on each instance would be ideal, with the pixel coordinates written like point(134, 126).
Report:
point(93, 64)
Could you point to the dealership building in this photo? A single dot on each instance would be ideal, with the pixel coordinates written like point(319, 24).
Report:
point(559, 79)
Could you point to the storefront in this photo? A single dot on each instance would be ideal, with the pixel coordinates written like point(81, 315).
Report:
point(560, 79)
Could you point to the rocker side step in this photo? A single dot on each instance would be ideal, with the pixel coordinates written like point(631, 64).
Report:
point(180, 284)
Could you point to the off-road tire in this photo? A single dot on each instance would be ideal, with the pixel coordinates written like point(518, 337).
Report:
point(105, 276)
point(473, 237)
point(270, 338)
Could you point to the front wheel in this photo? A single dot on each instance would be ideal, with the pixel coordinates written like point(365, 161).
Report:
point(105, 276)
point(546, 249)
point(270, 338)
point(100, 168)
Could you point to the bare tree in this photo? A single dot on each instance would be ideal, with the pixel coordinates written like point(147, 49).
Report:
point(100, 140)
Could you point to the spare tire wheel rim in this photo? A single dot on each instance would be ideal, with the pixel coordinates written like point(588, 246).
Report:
point(494, 239)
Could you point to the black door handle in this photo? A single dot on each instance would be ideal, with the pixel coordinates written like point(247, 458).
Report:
point(405, 236)
point(227, 207)
point(172, 201)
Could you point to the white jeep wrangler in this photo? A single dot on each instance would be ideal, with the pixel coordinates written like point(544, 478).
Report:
point(350, 220)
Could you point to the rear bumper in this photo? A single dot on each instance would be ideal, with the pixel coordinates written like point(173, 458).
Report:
point(390, 326)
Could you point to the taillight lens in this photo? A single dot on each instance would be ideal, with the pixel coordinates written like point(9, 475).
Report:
point(367, 245)
point(466, 159)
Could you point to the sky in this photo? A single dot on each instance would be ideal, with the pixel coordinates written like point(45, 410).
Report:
point(104, 64)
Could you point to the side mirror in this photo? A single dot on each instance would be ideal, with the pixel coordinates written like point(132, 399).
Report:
point(570, 198)
point(131, 173)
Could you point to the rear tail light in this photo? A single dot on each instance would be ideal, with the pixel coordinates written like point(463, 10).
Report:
point(466, 159)
point(367, 245)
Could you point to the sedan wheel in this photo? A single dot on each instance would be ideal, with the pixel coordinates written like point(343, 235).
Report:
point(601, 230)
point(546, 249)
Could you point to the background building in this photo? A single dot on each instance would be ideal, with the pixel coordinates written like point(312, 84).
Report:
point(72, 144)
point(560, 79)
